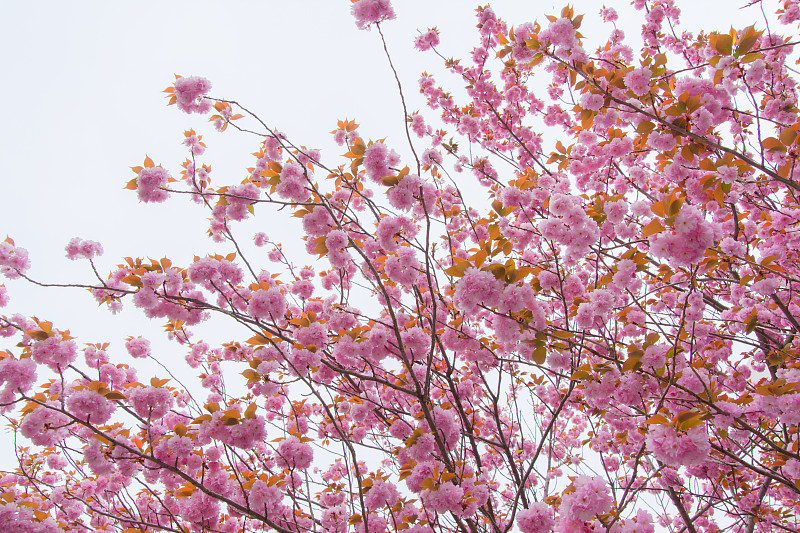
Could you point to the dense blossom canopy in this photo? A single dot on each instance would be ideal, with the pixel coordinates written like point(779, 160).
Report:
point(610, 341)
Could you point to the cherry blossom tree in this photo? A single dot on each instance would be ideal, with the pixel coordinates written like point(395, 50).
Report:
point(607, 340)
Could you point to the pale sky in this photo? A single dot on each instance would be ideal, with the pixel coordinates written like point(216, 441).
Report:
point(82, 102)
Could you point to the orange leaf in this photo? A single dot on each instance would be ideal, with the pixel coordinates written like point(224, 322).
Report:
point(657, 419)
point(114, 395)
point(722, 43)
point(652, 228)
point(788, 136)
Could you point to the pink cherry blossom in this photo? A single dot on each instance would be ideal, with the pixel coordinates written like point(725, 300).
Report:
point(537, 518)
point(267, 305)
point(477, 287)
point(590, 497)
point(427, 40)
point(151, 402)
point(54, 352)
point(190, 92)
point(671, 448)
point(46, 425)
point(16, 375)
point(138, 348)
point(89, 405)
point(378, 159)
point(13, 260)
point(292, 453)
point(585, 255)
point(150, 182)
point(638, 81)
point(561, 32)
point(80, 248)
point(368, 12)
point(382, 493)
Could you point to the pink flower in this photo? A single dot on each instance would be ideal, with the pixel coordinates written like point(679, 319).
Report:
point(368, 12)
point(267, 305)
point(314, 333)
point(54, 353)
point(427, 40)
point(729, 246)
point(151, 402)
point(194, 143)
point(295, 454)
point(470, 127)
point(790, 408)
point(791, 12)
point(418, 125)
point(537, 518)
point(515, 298)
point(431, 157)
point(138, 348)
point(548, 280)
point(391, 228)
point(447, 497)
point(673, 449)
point(45, 426)
point(95, 357)
point(189, 93)
point(791, 469)
point(17, 375)
point(513, 196)
point(687, 246)
point(334, 519)
point(609, 14)
point(239, 199)
point(475, 288)
point(340, 136)
point(643, 523)
point(78, 248)
point(303, 289)
point(246, 433)
point(318, 222)
point(149, 184)
point(403, 268)
point(592, 101)
point(199, 508)
point(91, 406)
point(589, 498)
point(292, 185)
point(13, 260)
point(554, 229)
point(662, 142)
point(382, 493)
point(378, 159)
point(214, 274)
point(638, 80)
point(265, 498)
point(336, 240)
point(560, 33)
point(403, 195)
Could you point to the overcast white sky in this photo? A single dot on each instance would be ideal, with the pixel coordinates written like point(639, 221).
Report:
point(82, 102)
point(82, 99)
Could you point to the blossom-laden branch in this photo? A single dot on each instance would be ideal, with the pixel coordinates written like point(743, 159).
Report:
point(609, 342)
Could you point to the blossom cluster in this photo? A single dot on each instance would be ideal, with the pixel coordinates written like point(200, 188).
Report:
point(78, 248)
point(190, 93)
point(367, 12)
point(499, 333)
